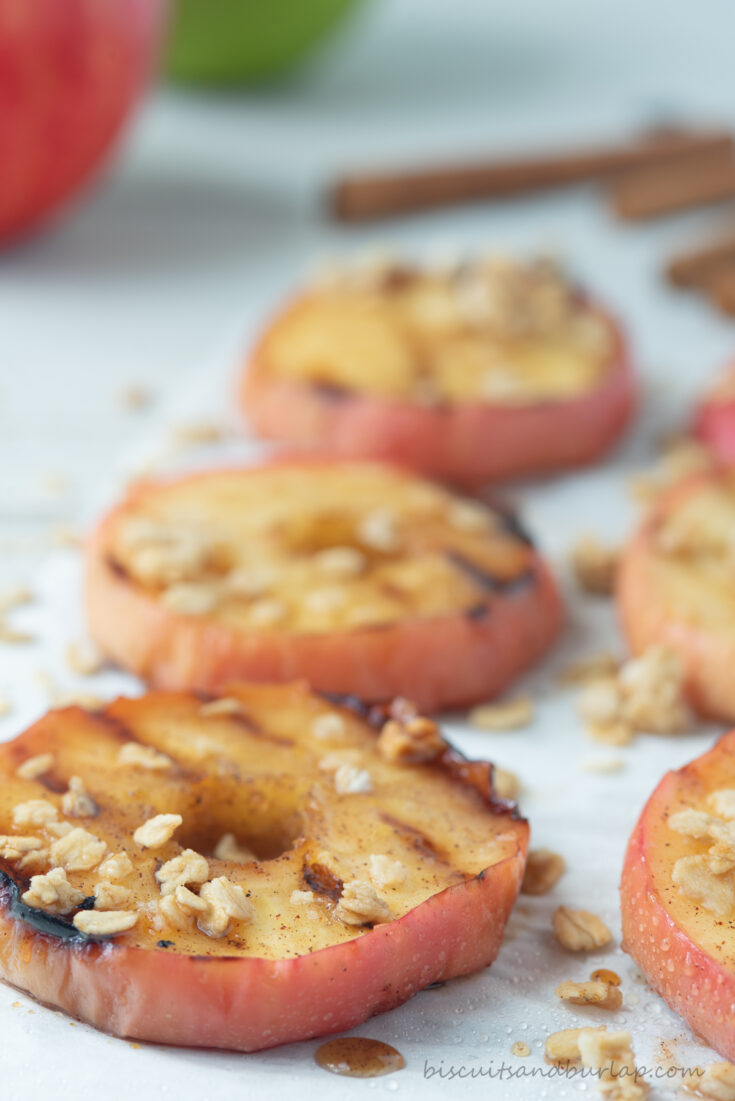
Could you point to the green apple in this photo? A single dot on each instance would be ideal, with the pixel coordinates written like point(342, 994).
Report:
point(232, 41)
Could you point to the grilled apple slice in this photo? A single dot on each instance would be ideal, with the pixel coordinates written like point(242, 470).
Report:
point(358, 577)
point(487, 371)
point(714, 421)
point(246, 871)
point(678, 894)
point(676, 586)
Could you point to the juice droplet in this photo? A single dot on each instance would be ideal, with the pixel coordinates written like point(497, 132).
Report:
point(358, 1057)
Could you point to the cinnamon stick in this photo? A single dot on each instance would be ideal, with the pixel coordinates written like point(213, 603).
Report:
point(370, 195)
point(692, 268)
point(679, 185)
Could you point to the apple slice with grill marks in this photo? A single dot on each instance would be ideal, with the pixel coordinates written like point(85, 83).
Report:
point(358, 577)
point(678, 894)
point(249, 870)
point(676, 586)
point(491, 370)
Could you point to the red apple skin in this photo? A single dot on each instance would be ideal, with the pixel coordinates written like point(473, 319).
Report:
point(698, 987)
point(714, 419)
point(469, 444)
point(247, 1004)
point(70, 72)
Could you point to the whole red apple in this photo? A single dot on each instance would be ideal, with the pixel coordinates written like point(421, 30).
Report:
point(70, 71)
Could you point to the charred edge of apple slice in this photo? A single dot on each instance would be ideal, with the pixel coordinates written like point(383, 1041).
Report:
point(511, 522)
point(474, 774)
point(50, 925)
point(488, 581)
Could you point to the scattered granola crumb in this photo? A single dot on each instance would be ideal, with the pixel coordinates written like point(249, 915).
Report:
point(117, 866)
point(647, 694)
point(579, 930)
point(611, 1054)
point(717, 1082)
point(35, 766)
point(5, 706)
point(506, 783)
point(266, 612)
point(104, 923)
point(134, 398)
point(509, 715)
point(594, 566)
point(225, 900)
point(359, 904)
point(385, 872)
point(54, 483)
point(52, 892)
point(188, 867)
point(15, 847)
point(77, 802)
point(301, 898)
point(12, 636)
point(351, 780)
point(34, 812)
point(110, 896)
point(470, 516)
point(562, 1048)
point(340, 562)
point(84, 657)
point(63, 535)
point(196, 433)
point(223, 707)
point(600, 994)
point(14, 597)
point(191, 597)
point(652, 686)
point(143, 756)
point(521, 1049)
point(329, 726)
point(156, 831)
point(77, 850)
point(722, 803)
point(603, 765)
point(228, 848)
point(544, 869)
point(378, 530)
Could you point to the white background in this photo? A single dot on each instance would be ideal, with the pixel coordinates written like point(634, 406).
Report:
point(213, 210)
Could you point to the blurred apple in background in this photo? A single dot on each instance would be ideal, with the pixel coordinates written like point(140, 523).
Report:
point(232, 41)
point(70, 72)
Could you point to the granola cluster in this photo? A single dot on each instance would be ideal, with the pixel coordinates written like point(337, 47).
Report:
point(645, 694)
point(708, 876)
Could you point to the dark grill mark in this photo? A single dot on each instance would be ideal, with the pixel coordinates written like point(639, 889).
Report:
point(488, 581)
point(117, 568)
point(478, 611)
point(330, 391)
point(247, 721)
point(417, 838)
